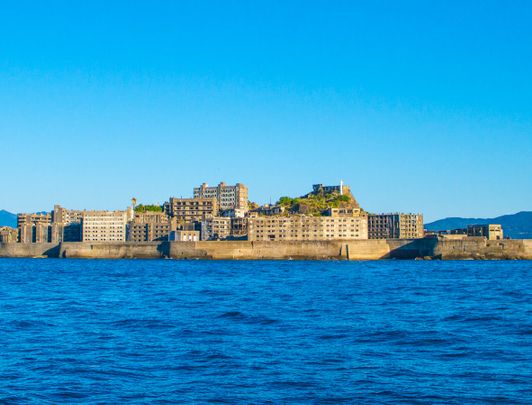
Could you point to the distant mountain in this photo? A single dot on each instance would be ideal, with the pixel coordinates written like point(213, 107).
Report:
point(8, 219)
point(516, 226)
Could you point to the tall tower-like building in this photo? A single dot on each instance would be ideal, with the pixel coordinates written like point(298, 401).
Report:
point(228, 197)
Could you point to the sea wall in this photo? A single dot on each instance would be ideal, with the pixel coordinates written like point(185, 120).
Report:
point(481, 248)
point(433, 248)
point(258, 250)
point(114, 250)
point(29, 250)
point(246, 250)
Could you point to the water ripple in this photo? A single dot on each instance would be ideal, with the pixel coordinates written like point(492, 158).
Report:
point(99, 331)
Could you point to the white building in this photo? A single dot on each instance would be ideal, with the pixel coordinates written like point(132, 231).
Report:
point(104, 226)
point(184, 236)
point(303, 227)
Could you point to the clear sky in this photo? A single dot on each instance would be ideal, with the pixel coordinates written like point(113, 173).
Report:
point(419, 106)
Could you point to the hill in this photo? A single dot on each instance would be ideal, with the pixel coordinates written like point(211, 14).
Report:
point(316, 203)
point(516, 226)
point(8, 219)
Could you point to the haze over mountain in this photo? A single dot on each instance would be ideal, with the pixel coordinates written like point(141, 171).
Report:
point(8, 219)
point(516, 226)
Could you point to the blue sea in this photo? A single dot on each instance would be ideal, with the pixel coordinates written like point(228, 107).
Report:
point(167, 331)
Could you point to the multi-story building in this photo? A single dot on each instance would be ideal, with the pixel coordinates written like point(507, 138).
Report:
point(217, 228)
point(8, 234)
point(239, 228)
point(302, 227)
point(34, 228)
point(228, 197)
point(100, 226)
point(395, 226)
point(65, 216)
point(188, 210)
point(490, 231)
point(342, 212)
point(66, 224)
point(148, 226)
point(340, 189)
point(269, 209)
point(233, 213)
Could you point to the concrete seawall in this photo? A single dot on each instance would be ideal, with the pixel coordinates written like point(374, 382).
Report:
point(244, 250)
point(482, 249)
point(471, 248)
point(29, 250)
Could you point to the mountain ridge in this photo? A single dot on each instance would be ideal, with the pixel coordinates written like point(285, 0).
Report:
point(8, 219)
point(516, 226)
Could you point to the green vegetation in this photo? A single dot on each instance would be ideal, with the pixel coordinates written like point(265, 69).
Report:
point(286, 201)
point(148, 208)
point(314, 204)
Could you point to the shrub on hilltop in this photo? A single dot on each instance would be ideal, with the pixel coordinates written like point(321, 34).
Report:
point(141, 208)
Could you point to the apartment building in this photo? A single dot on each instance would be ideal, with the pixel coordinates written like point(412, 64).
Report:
point(191, 209)
point(239, 228)
point(321, 189)
point(233, 213)
point(104, 226)
point(302, 227)
point(342, 212)
point(34, 228)
point(490, 231)
point(395, 226)
point(227, 196)
point(148, 226)
point(66, 224)
point(269, 209)
point(66, 216)
point(217, 228)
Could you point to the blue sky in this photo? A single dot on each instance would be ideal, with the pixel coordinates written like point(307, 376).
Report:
point(419, 106)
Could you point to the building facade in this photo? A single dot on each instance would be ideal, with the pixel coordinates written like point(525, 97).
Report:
point(342, 212)
point(395, 226)
point(8, 234)
point(302, 227)
point(34, 228)
point(228, 197)
point(66, 224)
point(184, 236)
point(321, 189)
point(148, 226)
point(239, 228)
point(490, 231)
point(191, 209)
point(104, 226)
point(269, 209)
point(217, 228)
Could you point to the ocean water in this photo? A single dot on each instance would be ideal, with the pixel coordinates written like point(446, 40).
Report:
point(103, 331)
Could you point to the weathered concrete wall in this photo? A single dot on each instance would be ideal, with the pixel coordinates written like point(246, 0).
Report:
point(257, 250)
point(481, 248)
point(471, 248)
point(29, 250)
point(113, 250)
